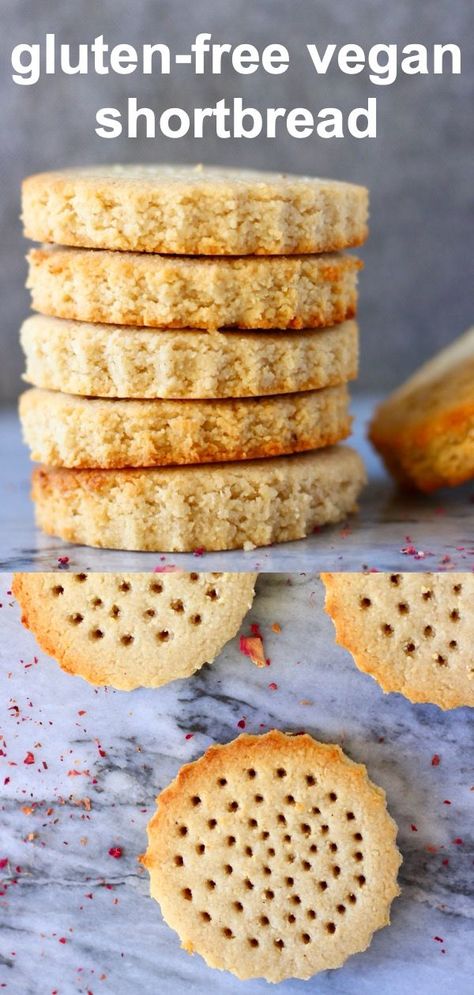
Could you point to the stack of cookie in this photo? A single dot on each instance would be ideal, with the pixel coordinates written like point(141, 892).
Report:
point(191, 355)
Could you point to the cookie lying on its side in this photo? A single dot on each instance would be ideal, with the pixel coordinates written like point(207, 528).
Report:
point(133, 630)
point(217, 506)
point(425, 430)
point(121, 361)
point(200, 210)
point(413, 632)
point(273, 856)
point(89, 432)
point(138, 288)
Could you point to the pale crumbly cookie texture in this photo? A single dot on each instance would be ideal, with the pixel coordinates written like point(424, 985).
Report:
point(179, 292)
point(193, 210)
point(273, 857)
point(215, 506)
point(86, 432)
point(119, 361)
point(425, 430)
point(412, 632)
point(133, 630)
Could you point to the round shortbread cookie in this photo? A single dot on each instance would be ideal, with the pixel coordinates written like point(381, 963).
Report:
point(133, 630)
point(182, 292)
point(116, 361)
point(216, 506)
point(273, 856)
point(425, 430)
point(193, 210)
point(412, 632)
point(83, 432)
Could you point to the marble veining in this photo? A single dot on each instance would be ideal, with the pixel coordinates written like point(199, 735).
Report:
point(80, 768)
point(391, 532)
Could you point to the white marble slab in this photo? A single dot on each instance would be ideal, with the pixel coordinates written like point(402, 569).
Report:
point(61, 883)
point(441, 527)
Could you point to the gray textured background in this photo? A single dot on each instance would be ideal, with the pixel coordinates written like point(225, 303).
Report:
point(416, 292)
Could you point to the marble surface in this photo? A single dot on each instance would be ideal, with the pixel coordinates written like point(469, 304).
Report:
point(437, 531)
point(74, 919)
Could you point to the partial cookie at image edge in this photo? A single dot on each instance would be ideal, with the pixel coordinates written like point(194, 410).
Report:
point(412, 632)
point(424, 431)
point(133, 630)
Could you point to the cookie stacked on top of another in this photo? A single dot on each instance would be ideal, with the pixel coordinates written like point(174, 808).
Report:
point(191, 355)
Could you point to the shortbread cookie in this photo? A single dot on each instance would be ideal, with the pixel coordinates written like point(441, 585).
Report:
point(133, 630)
point(273, 856)
point(425, 430)
point(83, 432)
point(413, 632)
point(116, 361)
point(179, 292)
point(193, 210)
point(216, 506)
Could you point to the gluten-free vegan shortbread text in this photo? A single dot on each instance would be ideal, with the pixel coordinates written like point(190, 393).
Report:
point(382, 64)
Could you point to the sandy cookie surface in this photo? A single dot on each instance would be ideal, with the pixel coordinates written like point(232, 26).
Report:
point(183, 292)
point(216, 506)
point(193, 210)
point(119, 361)
point(82, 432)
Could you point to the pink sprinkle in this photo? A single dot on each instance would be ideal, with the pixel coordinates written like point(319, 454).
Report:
point(273, 686)
point(413, 828)
point(30, 758)
point(435, 760)
point(252, 646)
point(168, 569)
point(63, 560)
point(458, 841)
point(241, 724)
point(189, 735)
point(116, 852)
point(3, 863)
point(438, 939)
point(62, 939)
point(446, 801)
point(199, 551)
